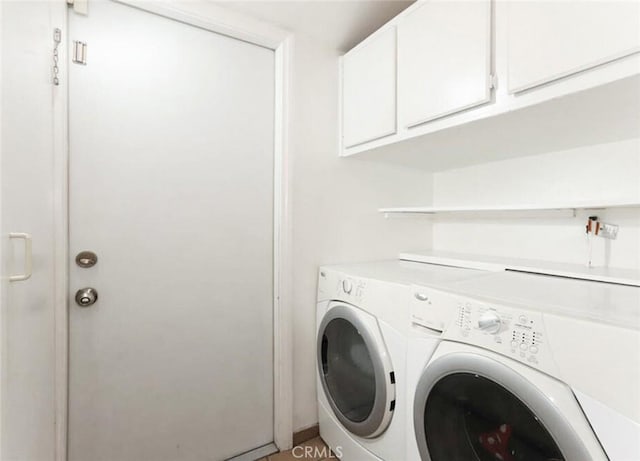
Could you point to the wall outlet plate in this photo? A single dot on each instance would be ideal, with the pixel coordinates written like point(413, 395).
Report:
point(608, 231)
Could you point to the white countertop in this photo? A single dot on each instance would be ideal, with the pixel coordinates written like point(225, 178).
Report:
point(497, 263)
point(408, 273)
point(587, 300)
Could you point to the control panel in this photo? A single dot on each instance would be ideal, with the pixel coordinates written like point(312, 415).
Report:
point(335, 285)
point(509, 331)
point(385, 300)
point(350, 288)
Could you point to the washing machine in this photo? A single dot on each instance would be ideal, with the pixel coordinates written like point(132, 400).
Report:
point(529, 367)
point(361, 354)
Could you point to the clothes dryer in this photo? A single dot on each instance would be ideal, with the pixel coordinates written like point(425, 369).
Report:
point(361, 354)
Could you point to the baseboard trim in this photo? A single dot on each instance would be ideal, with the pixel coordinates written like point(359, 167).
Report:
point(257, 453)
point(303, 435)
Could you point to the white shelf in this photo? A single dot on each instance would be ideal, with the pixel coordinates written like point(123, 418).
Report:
point(571, 207)
point(497, 264)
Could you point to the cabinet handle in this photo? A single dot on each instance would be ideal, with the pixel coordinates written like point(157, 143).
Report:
point(27, 256)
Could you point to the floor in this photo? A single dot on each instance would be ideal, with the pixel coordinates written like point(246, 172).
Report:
point(311, 450)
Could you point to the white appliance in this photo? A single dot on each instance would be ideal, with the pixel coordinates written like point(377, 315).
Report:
point(530, 367)
point(361, 352)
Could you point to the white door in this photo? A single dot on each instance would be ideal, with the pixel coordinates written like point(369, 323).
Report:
point(369, 90)
point(444, 59)
point(550, 40)
point(171, 185)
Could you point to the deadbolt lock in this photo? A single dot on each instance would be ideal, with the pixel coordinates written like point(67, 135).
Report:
point(86, 297)
point(86, 259)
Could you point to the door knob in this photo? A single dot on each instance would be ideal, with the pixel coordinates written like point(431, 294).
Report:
point(86, 297)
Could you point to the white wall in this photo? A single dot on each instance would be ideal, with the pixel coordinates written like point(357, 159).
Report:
point(334, 203)
point(598, 172)
point(26, 168)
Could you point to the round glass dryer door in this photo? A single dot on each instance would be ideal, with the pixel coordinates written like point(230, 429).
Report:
point(466, 408)
point(355, 371)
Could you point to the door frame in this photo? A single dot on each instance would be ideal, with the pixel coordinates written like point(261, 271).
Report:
point(226, 22)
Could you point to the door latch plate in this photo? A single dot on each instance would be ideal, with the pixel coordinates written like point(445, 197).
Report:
point(79, 52)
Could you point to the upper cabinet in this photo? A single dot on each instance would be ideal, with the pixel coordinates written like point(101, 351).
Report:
point(369, 90)
point(444, 59)
point(550, 40)
point(483, 80)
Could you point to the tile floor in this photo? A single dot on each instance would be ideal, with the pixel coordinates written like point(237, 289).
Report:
point(311, 450)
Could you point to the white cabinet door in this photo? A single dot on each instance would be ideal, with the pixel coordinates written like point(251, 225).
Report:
point(550, 40)
point(369, 90)
point(444, 59)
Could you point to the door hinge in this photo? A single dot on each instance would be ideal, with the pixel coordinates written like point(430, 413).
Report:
point(57, 38)
point(79, 52)
point(493, 82)
point(79, 6)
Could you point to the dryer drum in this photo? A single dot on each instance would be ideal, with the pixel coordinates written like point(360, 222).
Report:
point(353, 375)
point(348, 370)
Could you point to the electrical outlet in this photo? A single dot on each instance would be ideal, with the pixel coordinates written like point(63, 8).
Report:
point(608, 231)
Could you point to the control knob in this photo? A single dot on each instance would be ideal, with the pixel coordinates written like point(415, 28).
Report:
point(489, 322)
point(347, 286)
